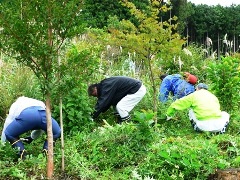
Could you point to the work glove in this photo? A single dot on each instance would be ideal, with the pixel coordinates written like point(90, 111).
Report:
point(168, 118)
point(36, 133)
point(27, 139)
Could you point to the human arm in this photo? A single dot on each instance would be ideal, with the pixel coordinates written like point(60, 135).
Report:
point(106, 93)
point(10, 117)
point(99, 108)
point(180, 104)
point(164, 90)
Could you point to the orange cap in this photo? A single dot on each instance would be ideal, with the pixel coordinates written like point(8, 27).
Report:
point(192, 79)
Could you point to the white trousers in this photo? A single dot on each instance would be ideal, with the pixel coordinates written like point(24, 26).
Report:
point(127, 103)
point(211, 125)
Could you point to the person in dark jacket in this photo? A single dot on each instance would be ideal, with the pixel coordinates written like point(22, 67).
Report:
point(123, 93)
point(177, 85)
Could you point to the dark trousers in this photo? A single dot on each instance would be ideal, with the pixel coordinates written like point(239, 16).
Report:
point(32, 118)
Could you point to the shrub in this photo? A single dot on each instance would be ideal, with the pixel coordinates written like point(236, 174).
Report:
point(224, 78)
point(16, 81)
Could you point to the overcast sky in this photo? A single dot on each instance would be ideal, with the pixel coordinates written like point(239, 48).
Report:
point(216, 2)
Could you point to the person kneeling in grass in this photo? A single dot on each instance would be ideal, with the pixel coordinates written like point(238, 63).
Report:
point(204, 113)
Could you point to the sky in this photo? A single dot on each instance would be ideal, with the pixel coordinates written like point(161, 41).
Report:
point(216, 2)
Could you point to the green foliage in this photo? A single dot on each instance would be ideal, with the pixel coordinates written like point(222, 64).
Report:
point(73, 86)
point(136, 150)
point(174, 160)
point(16, 81)
point(77, 110)
point(97, 12)
point(7, 152)
point(12, 168)
point(190, 59)
point(116, 151)
point(224, 77)
point(146, 42)
point(105, 150)
point(34, 32)
point(214, 22)
point(130, 151)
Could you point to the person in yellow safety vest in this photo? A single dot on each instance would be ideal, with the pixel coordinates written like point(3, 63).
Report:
point(204, 113)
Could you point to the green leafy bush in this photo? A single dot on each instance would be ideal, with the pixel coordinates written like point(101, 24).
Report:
point(138, 151)
point(73, 85)
point(15, 81)
point(224, 78)
point(33, 167)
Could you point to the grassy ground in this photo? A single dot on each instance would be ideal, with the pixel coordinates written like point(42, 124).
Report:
point(135, 150)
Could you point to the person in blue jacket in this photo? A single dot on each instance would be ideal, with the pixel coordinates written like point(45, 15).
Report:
point(176, 85)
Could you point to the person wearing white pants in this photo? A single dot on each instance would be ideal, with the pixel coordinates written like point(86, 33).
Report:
point(121, 92)
point(210, 124)
point(204, 113)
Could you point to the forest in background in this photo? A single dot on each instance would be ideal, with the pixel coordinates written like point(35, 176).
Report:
point(196, 23)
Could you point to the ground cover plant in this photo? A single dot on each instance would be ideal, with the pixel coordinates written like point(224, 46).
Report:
point(135, 150)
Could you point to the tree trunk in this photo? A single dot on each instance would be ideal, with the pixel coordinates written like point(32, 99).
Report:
point(62, 136)
point(151, 77)
point(50, 164)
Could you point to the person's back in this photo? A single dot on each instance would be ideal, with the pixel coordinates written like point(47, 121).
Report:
point(205, 105)
point(183, 89)
point(116, 87)
point(175, 85)
point(168, 85)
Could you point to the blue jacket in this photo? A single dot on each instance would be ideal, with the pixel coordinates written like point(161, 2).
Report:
point(175, 85)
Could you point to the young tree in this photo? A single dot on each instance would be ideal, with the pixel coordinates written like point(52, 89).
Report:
point(150, 40)
point(34, 33)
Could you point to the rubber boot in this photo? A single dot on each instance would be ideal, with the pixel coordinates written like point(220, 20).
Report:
point(45, 148)
point(17, 144)
point(125, 119)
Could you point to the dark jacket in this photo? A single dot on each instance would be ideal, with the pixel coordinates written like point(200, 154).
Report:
point(112, 90)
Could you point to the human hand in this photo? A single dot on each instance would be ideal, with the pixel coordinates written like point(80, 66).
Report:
point(186, 74)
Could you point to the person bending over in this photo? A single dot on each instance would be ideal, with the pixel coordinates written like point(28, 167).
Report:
point(27, 114)
point(176, 85)
point(123, 93)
